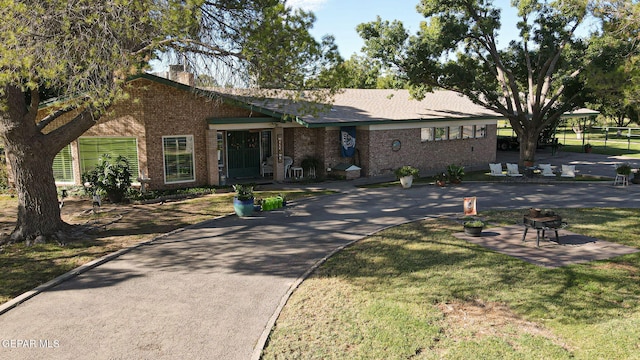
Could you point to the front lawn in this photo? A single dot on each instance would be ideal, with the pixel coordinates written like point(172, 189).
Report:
point(417, 292)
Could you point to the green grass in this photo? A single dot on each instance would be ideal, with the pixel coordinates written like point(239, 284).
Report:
point(613, 146)
point(417, 292)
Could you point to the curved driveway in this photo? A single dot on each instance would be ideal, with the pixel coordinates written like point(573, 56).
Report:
point(213, 290)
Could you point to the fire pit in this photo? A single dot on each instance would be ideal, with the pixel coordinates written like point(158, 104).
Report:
point(542, 221)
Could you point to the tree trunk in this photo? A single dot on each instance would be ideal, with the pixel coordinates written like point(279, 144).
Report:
point(31, 155)
point(38, 209)
point(528, 146)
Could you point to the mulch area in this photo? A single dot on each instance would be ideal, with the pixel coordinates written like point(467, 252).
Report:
point(572, 248)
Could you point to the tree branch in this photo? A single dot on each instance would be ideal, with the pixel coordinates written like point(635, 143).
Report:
point(53, 116)
point(60, 137)
point(549, 104)
point(547, 70)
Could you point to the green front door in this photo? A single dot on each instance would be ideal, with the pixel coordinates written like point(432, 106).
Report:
point(243, 154)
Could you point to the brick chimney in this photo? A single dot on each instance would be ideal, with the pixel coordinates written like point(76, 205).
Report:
point(179, 73)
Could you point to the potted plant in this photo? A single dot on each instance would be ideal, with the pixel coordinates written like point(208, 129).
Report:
point(406, 174)
point(243, 202)
point(474, 227)
point(441, 179)
point(623, 169)
point(310, 164)
point(587, 148)
point(455, 173)
point(636, 177)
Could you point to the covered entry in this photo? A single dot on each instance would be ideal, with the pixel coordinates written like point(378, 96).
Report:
point(243, 154)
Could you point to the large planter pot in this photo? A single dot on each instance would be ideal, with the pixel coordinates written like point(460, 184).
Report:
point(473, 231)
point(406, 181)
point(243, 207)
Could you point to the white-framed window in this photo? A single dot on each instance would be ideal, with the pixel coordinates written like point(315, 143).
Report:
point(427, 134)
point(468, 131)
point(441, 133)
point(481, 131)
point(179, 163)
point(454, 133)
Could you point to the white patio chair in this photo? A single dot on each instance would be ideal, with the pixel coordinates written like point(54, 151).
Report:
point(267, 166)
point(288, 161)
point(496, 169)
point(546, 170)
point(512, 170)
point(568, 171)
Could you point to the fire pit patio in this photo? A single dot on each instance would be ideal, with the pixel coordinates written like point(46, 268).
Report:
point(542, 221)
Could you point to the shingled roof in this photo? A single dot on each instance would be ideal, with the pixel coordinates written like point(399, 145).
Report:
point(366, 105)
point(359, 106)
point(374, 106)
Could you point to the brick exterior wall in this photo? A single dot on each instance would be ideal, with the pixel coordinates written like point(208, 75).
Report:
point(430, 157)
point(301, 142)
point(375, 156)
point(155, 110)
point(171, 111)
point(152, 111)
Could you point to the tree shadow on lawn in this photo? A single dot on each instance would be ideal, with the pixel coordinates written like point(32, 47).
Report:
point(420, 262)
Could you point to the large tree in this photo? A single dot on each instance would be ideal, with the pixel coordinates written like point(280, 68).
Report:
point(614, 75)
point(358, 72)
point(84, 51)
point(531, 82)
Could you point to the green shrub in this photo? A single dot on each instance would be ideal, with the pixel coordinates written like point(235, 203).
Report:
point(110, 177)
point(474, 223)
point(624, 169)
point(4, 176)
point(455, 173)
point(243, 192)
point(310, 162)
point(407, 170)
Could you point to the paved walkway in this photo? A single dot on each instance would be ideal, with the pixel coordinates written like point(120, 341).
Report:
point(212, 291)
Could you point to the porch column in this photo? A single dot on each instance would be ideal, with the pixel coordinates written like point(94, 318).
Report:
point(212, 157)
point(278, 151)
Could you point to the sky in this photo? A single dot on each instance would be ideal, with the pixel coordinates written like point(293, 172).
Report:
point(340, 18)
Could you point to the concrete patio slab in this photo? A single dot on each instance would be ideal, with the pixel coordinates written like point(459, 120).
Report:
point(572, 248)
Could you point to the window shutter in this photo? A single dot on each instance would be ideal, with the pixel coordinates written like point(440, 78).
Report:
point(63, 165)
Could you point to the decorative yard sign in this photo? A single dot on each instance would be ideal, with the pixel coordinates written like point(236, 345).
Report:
point(348, 141)
point(470, 206)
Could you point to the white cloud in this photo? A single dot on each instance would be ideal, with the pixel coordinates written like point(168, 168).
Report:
point(308, 5)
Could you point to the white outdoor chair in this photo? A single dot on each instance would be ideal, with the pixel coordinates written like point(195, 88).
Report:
point(288, 161)
point(512, 170)
point(546, 170)
point(496, 169)
point(266, 167)
point(568, 171)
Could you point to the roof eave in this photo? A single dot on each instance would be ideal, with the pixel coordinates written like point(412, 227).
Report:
point(388, 121)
